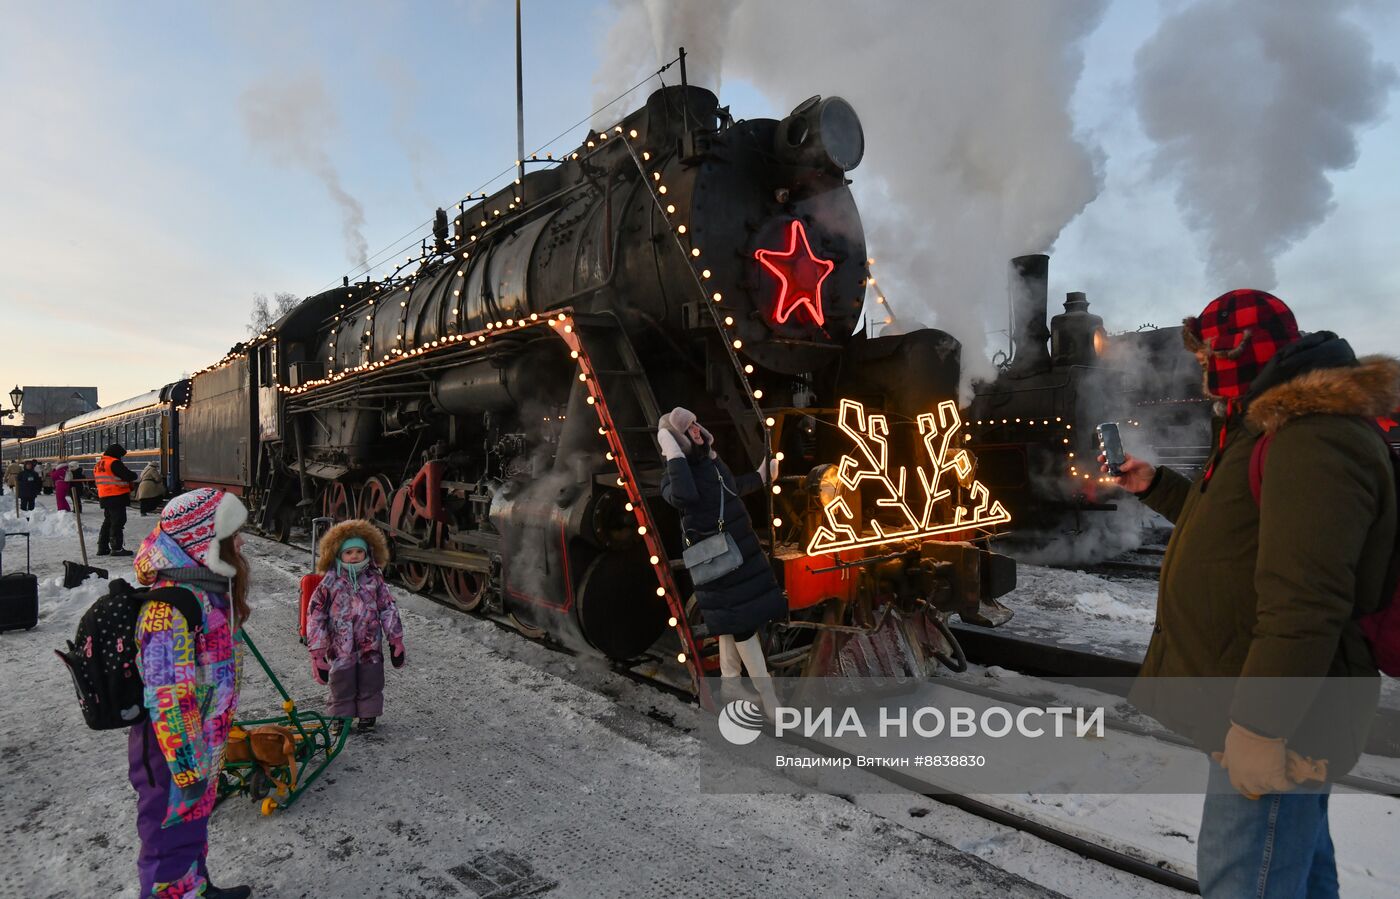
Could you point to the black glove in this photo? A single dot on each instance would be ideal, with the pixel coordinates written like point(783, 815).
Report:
point(396, 654)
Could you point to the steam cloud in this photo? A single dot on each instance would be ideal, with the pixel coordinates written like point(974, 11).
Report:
point(1252, 103)
point(292, 119)
point(971, 155)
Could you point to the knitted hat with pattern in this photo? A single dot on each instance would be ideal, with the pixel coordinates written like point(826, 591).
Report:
point(198, 520)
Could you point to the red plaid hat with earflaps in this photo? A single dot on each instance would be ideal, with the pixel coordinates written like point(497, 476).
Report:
point(1239, 332)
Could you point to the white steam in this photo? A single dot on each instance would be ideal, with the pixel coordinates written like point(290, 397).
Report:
point(971, 153)
point(292, 119)
point(1252, 103)
point(646, 34)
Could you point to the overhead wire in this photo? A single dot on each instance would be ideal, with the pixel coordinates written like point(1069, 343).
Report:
point(398, 245)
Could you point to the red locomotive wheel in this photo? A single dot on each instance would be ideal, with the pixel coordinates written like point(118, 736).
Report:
point(463, 587)
point(337, 503)
point(418, 532)
point(374, 500)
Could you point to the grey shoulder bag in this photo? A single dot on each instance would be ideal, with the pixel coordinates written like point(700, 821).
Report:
point(716, 555)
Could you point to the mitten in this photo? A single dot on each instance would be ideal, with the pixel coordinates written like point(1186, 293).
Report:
point(1257, 764)
point(396, 653)
point(670, 446)
point(320, 668)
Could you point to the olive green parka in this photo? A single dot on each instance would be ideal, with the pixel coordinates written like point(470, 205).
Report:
point(1273, 590)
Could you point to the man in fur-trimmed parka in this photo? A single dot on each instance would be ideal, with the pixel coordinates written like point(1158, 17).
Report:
point(348, 616)
point(1263, 597)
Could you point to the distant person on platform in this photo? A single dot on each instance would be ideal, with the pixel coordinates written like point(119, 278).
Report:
point(114, 482)
point(1255, 590)
point(12, 474)
point(28, 484)
point(59, 477)
point(149, 489)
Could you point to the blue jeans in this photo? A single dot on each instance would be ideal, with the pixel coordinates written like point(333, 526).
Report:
point(1275, 847)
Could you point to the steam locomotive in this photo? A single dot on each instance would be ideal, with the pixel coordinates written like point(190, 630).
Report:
point(492, 404)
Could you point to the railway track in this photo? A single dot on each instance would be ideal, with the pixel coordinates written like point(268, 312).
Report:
point(1028, 657)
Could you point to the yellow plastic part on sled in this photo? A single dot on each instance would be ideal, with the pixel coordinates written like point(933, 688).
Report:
point(289, 706)
point(269, 805)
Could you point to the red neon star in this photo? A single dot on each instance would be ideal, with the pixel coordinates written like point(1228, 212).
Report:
point(800, 275)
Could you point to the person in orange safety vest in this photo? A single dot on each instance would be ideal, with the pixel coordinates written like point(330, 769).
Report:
point(114, 482)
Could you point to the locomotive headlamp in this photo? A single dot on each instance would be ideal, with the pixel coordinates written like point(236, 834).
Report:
point(821, 133)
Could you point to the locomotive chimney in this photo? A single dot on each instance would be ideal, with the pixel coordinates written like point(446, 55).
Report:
point(1029, 300)
point(440, 230)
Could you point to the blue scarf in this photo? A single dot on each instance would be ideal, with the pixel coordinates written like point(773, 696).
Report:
point(352, 571)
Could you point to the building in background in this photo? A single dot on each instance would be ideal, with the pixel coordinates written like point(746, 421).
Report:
point(44, 406)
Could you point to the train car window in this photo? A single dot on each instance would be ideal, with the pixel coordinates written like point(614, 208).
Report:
point(265, 365)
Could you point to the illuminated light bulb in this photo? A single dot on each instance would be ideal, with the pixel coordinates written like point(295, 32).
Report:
point(590, 143)
point(510, 322)
point(473, 237)
point(672, 622)
point(655, 560)
point(573, 354)
point(758, 394)
point(610, 455)
point(705, 274)
point(748, 369)
point(1069, 427)
point(768, 421)
point(671, 210)
point(454, 311)
point(695, 252)
point(729, 320)
point(568, 329)
point(661, 189)
point(534, 316)
point(642, 530)
point(499, 325)
point(656, 176)
point(628, 507)
point(632, 133)
point(777, 489)
point(680, 657)
point(778, 456)
point(489, 326)
point(646, 154)
point(738, 344)
point(621, 482)
point(403, 302)
point(590, 400)
point(602, 432)
point(777, 522)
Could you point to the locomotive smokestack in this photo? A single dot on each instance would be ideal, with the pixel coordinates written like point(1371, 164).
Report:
point(440, 230)
point(1029, 300)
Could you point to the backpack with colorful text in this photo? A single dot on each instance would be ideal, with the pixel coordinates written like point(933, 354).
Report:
point(101, 657)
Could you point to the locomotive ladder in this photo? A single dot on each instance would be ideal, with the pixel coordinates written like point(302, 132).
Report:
point(627, 413)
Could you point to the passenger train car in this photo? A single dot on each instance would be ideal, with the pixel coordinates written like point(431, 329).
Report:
point(147, 426)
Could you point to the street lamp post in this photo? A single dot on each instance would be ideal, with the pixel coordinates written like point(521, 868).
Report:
point(17, 397)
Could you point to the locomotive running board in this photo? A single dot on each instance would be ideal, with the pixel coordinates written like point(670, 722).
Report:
point(627, 413)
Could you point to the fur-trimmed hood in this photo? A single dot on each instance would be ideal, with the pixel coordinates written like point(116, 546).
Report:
point(329, 549)
point(1370, 389)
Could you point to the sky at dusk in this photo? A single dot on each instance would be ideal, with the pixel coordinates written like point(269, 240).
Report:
point(161, 163)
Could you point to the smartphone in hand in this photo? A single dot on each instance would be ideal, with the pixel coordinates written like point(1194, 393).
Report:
point(1112, 445)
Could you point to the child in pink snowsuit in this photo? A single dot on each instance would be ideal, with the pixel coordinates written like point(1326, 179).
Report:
point(347, 616)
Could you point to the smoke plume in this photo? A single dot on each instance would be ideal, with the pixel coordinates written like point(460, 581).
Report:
point(292, 120)
point(1252, 103)
point(647, 33)
point(971, 154)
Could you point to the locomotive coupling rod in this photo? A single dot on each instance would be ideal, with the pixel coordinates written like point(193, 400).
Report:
point(445, 558)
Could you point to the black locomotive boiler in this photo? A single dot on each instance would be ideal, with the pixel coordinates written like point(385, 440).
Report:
point(492, 404)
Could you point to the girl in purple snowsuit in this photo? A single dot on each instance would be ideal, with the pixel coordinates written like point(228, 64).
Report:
point(346, 618)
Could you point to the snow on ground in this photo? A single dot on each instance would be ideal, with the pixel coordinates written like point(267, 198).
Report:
point(1083, 611)
point(497, 753)
point(487, 773)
